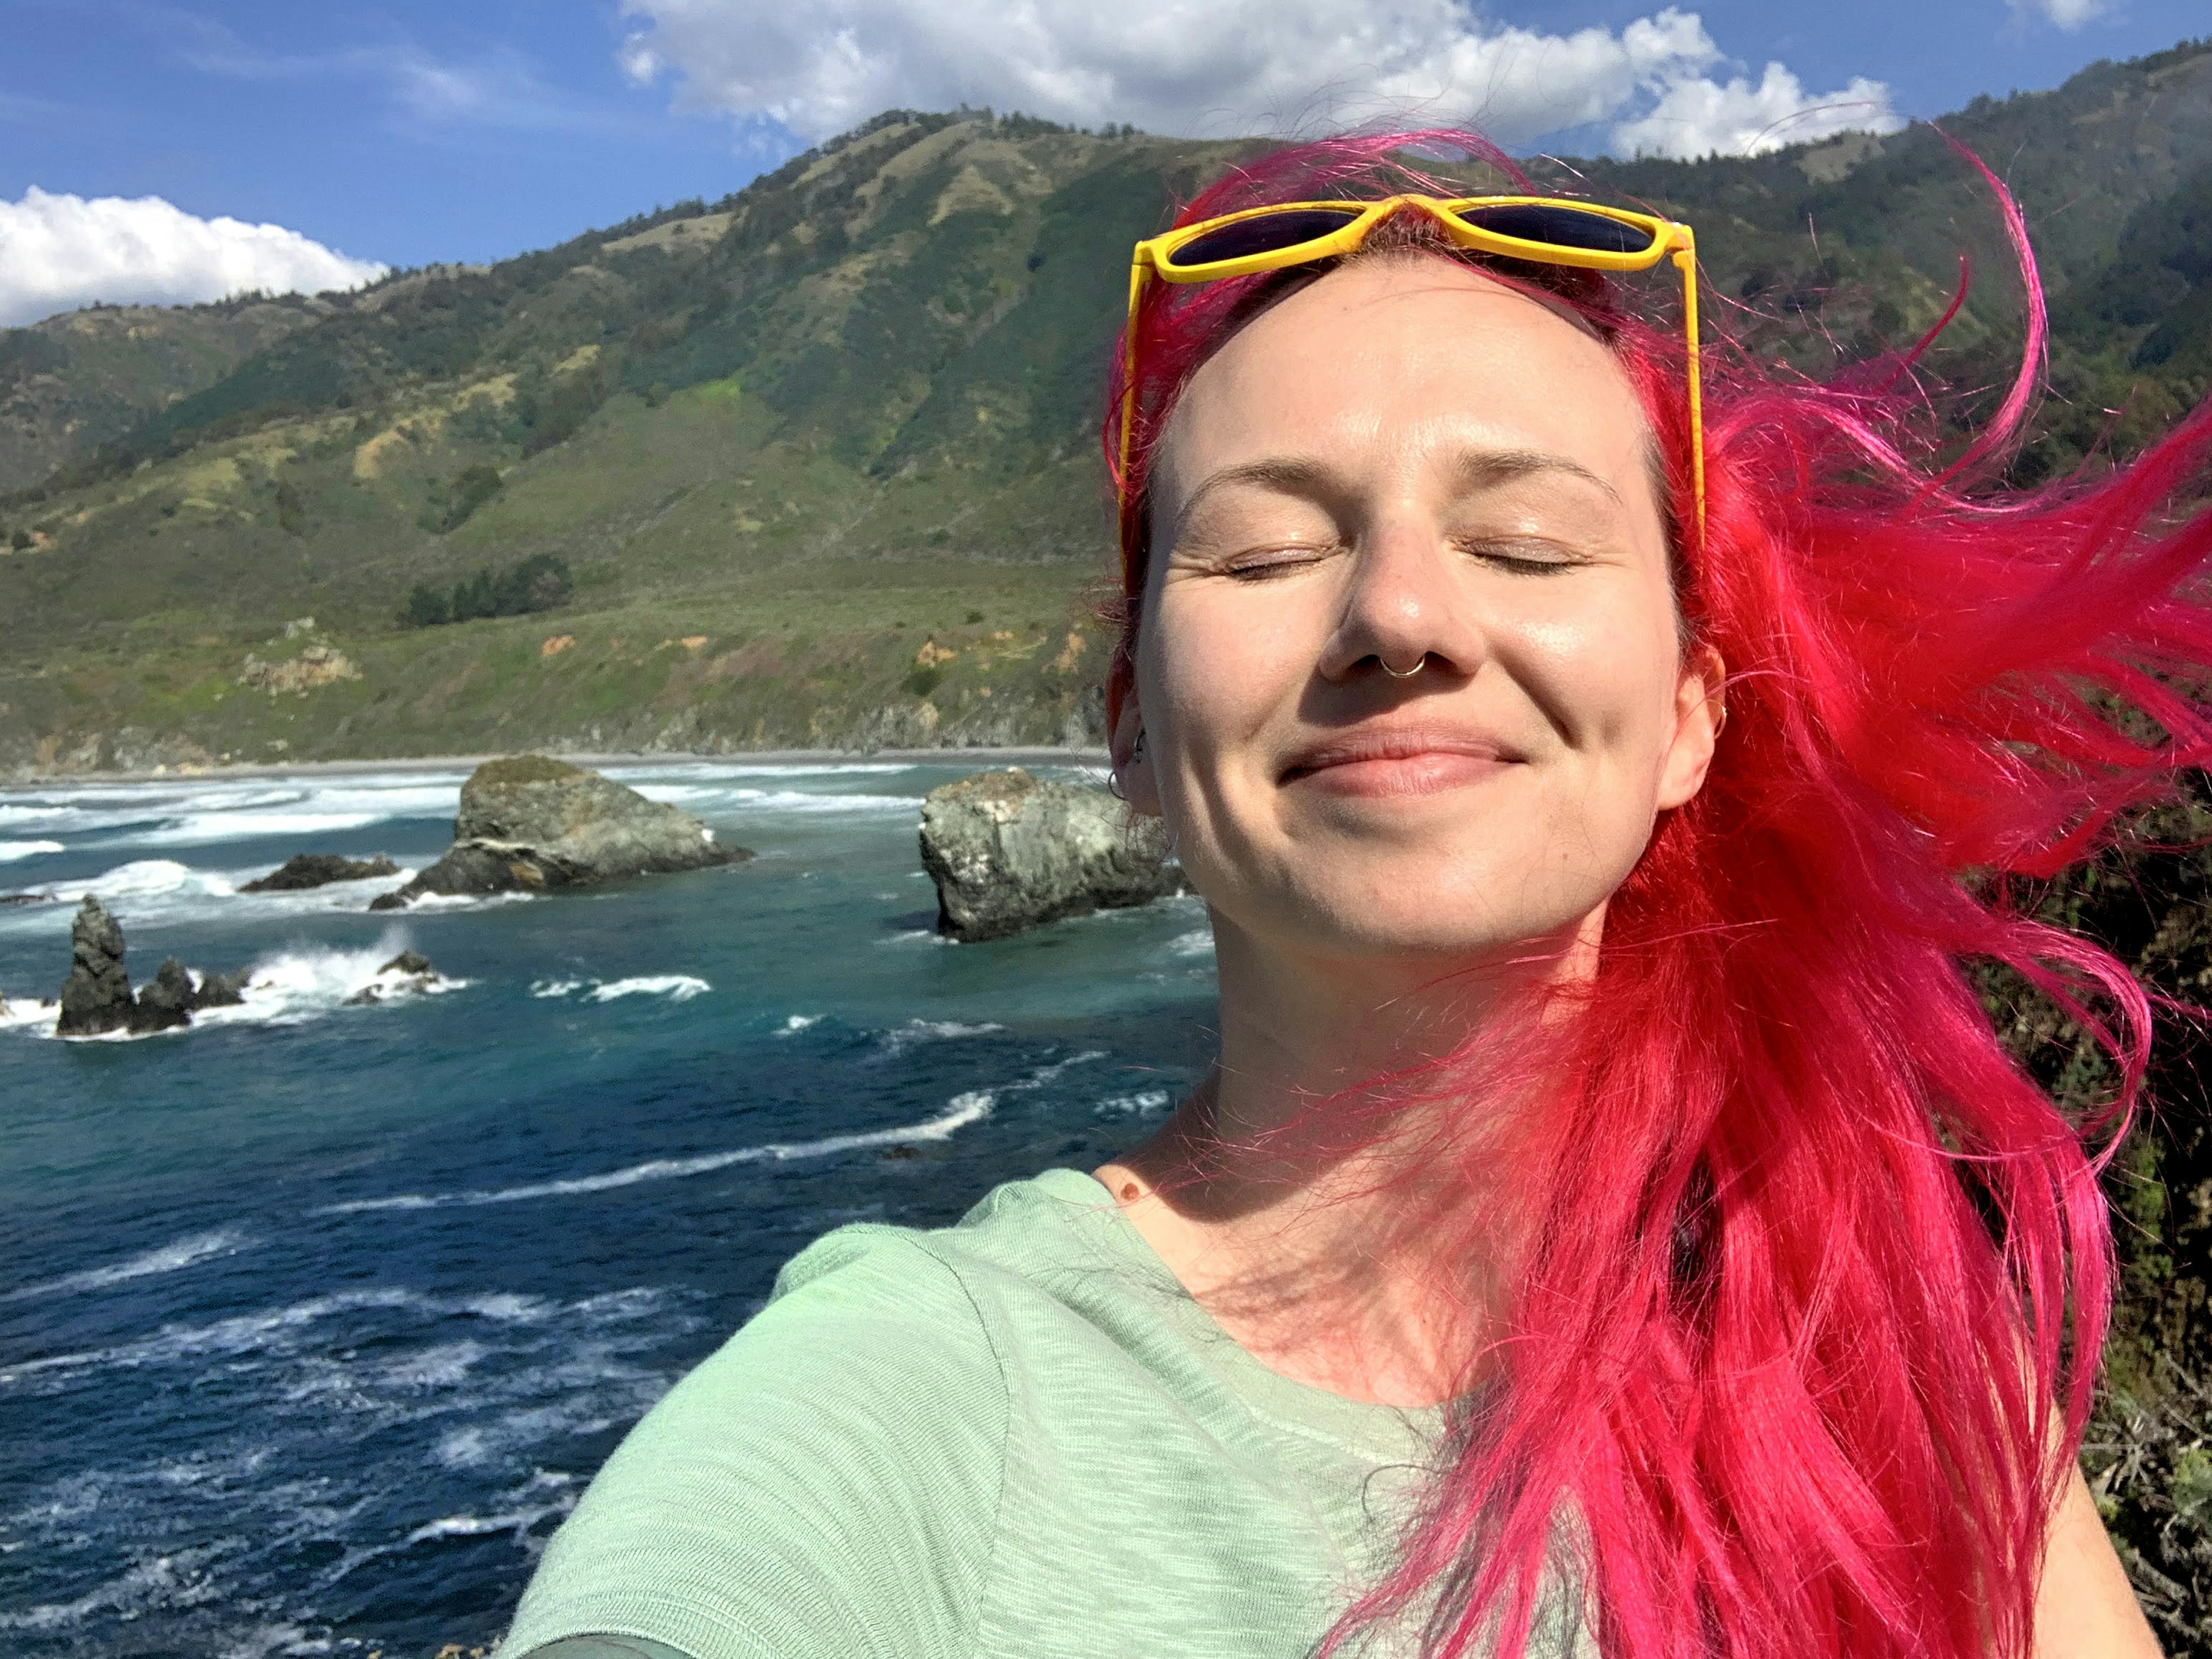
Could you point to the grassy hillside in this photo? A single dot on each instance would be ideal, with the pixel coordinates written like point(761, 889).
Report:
point(814, 464)
point(74, 382)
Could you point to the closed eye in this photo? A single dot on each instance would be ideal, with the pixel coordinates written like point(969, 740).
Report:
point(1264, 565)
point(1525, 555)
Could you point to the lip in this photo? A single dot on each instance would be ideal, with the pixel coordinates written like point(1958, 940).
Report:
point(1402, 763)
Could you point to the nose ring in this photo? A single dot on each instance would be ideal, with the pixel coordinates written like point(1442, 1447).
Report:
point(1404, 673)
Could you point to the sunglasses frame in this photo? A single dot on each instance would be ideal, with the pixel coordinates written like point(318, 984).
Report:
point(1151, 258)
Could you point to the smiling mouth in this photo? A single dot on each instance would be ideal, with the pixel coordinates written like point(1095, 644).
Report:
point(1400, 763)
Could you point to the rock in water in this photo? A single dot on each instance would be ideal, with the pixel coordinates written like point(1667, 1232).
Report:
point(410, 972)
point(96, 995)
point(221, 990)
point(1008, 851)
point(166, 1000)
point(531, 823)
point(306, 870)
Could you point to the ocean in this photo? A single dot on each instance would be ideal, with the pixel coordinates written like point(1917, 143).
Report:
point(318, 1318)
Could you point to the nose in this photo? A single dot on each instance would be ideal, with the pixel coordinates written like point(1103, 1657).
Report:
point(1402, 610)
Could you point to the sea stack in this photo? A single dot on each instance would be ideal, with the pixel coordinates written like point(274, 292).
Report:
point(96, 995)
point(531, 823)
point(1008, 851)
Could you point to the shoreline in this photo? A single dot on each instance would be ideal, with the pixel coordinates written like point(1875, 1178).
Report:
point(1016, 755)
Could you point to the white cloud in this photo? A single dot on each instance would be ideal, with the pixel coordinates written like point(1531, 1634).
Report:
point(1262, 65)
point(60, 252)
point(2067, 14)
point(1703, 118)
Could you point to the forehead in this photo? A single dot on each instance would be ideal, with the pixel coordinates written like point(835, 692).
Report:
point(1385, 362)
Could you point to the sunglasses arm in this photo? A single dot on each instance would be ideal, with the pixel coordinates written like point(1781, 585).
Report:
point(1140, 268)
point(1686, 261)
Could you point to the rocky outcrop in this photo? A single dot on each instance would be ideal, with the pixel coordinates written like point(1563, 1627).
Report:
point(96, 997)
point(304, 870)
point(534, 824)
point(1008, 851)
point(408, 974)
point(319, 665)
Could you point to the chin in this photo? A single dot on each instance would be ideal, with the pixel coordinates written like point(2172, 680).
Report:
point(1439, 916)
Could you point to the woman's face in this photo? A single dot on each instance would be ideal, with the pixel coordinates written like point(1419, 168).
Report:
point(1406, 463)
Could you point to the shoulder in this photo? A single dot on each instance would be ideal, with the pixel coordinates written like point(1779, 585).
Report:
point(827, 1482)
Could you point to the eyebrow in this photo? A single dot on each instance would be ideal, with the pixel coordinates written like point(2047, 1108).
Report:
point(1472, 468)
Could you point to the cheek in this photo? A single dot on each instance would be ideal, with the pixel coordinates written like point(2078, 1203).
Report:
point(1603, 676)
point(1219, 668)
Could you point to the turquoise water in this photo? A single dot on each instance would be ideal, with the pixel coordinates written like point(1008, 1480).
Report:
point(318, 1318)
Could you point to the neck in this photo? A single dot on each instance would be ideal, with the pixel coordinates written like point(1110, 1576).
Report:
point(1321, 1192)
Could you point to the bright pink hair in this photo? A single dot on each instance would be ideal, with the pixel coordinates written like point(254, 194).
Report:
point(1803, 1341)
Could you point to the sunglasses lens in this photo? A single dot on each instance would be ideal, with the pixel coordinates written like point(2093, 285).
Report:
point(1268, 233)
point(1561, 227)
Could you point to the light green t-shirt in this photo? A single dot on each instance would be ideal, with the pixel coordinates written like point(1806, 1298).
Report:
point(1017, 1437)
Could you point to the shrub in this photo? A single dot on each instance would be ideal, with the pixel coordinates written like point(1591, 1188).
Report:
point(539, 582)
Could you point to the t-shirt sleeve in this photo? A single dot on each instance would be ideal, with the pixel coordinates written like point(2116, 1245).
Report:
point(824, 1486)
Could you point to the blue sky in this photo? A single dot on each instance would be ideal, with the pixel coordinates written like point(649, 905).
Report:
point(405, 133)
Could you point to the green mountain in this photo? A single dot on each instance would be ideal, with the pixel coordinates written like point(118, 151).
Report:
point(86, 378)
point(815, 465)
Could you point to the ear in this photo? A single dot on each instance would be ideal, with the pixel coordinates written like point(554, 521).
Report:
point(1133, 763)
point(1700, 711)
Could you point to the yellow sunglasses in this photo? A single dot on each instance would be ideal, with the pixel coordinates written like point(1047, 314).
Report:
point(1542, 229)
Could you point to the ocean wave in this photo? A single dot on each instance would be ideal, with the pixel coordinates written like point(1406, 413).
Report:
point(961, 1111)
point(676, 988)
point(465, 900)
point(898, 1040)
point(802, 800)
point(196, 829)
point(244, 1334)
point(168, 1258)
point(793, 1023)
point(10, 851)
point(1198, 943)
point(1141, 1104)
point(27, 1014)
point(285, 812)
point(161, 891)
point(237, 1334)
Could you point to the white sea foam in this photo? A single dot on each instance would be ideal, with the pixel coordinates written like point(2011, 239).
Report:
point(1142, 1104)
point(27, 1014)
point(676, 988)
point(961, 1111)
point(1198, 943)
point(163, 891)
point(168, 1258)
point(808, 800)
point(901, 1038)
point(466, 901)
point(798, 1023)
point(294, 986)
point(248, 1334)
point(295, 812)
point(10, 851)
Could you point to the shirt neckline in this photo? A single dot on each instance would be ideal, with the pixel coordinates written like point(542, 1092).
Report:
point(1391, 1432)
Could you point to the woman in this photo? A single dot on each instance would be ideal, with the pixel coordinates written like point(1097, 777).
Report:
point(1611, 1226)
